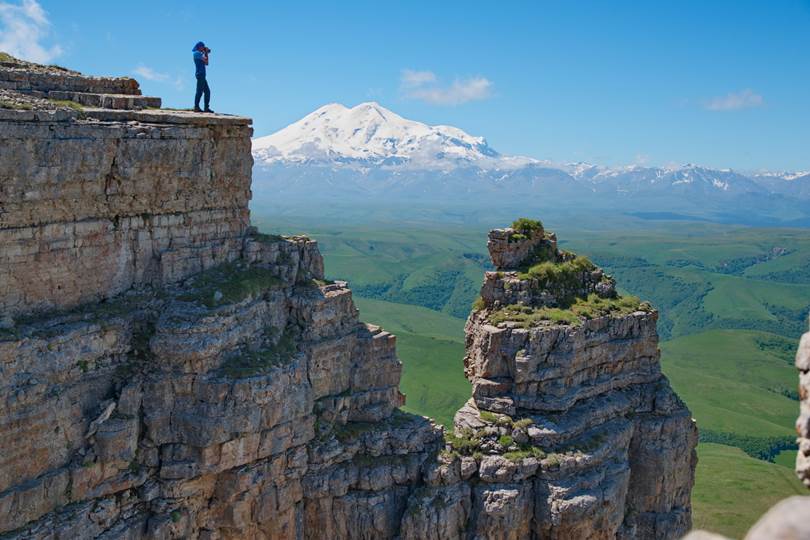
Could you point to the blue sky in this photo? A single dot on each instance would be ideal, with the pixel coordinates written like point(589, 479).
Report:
point(724, 84)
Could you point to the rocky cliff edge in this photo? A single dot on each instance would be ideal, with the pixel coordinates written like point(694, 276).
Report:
point(168, 372)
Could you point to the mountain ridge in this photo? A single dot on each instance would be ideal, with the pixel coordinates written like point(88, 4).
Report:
point(368, 152)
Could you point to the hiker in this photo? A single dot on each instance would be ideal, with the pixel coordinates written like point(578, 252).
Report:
point(201, 53)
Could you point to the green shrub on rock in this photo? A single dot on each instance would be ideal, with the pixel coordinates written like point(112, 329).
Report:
point(579, 310)
point(526, 226)
point(562, 274)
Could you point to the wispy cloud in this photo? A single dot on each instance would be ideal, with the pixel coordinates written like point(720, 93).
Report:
point(425, 86)
point(744, 99)
point(411, 78)
point(23, 27)
point(150, 74)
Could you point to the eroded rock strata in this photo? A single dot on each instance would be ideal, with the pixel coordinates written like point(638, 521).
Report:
point(168, 372)
point(572, 431)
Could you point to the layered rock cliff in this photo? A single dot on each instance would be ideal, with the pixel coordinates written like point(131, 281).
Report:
point(168, 372)
point(572, 431)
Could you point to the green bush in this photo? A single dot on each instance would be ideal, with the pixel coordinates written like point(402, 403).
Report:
point(467, 444)
point(526, 226)
point(525, 452)
point(505, 441)
point(563, 274)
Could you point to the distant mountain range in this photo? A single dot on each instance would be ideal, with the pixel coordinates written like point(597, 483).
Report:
point(369, 153)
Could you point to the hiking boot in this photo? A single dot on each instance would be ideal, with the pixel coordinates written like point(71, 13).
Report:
point(197, 109)
point(208, 110)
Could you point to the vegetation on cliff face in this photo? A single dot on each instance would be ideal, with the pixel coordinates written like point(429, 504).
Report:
point(575, 313)
point(247, 363)
point(228, 283)
point(552, 274)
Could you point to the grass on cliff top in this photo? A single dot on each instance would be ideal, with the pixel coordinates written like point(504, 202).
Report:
point(732, 490)
point(66, 103)
point(5, 57)
point(524, 227)
point(581, 309)
point(233, 282)
point(549, 273)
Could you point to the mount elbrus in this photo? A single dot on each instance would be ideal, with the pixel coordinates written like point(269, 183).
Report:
point(168, 372)
point(373, 156)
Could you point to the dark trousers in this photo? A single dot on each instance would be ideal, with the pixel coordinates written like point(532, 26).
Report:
point(202, 88)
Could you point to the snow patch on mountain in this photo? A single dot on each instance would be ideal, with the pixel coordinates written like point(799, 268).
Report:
point(372, 141)
point(371, 135)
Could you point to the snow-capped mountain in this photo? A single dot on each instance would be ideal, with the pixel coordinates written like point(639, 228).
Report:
point(371, 135)
point(369, 153)
point(687, 178)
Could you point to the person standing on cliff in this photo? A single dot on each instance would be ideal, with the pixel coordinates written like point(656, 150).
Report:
point(201, 53)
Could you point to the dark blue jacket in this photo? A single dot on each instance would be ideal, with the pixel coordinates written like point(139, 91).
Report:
point(199, 63)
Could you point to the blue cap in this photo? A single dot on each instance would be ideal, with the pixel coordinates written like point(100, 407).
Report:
point(198, 45)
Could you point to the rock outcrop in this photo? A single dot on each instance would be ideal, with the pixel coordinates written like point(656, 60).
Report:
point(98, 200)
point(168, 372)
point(572, 431)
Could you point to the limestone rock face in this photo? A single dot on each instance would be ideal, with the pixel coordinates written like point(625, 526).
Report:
point(572, 430)
point(168, 372)
point(508, 249)
point(95, 201)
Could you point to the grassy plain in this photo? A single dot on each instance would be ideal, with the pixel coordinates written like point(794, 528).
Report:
point(734, 489)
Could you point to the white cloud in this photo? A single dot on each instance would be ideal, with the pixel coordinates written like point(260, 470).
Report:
point(150, 74)
point(744, 99)
point(23, 27)
point(411, 78)
point(424, 86)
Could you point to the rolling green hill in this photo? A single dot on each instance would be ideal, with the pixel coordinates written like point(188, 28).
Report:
point(734, 489)
point(744, 387)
